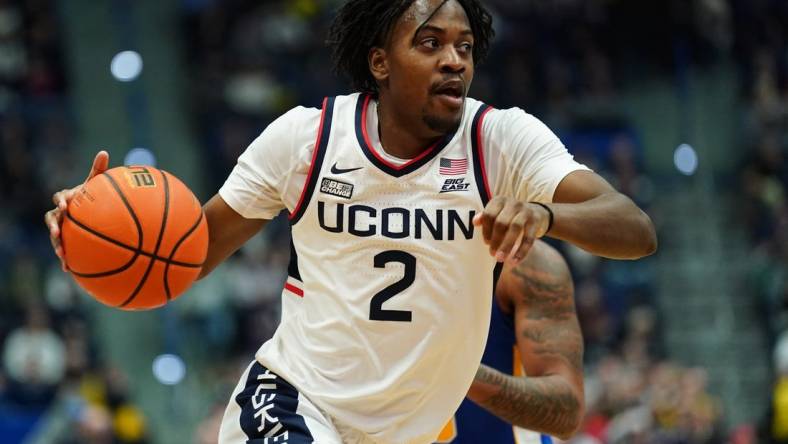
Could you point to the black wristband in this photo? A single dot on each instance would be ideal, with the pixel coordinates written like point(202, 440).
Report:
point(550, 212)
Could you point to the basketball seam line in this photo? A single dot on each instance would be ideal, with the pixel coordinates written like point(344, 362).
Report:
point(158, 241)
point(136, 224)
point(103, 273)
point(174, 249)
point(137, 251)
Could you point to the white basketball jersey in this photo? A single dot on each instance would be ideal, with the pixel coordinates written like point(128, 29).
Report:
point(391, 281)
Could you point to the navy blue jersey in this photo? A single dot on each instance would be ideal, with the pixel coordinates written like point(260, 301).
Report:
point(472, 424)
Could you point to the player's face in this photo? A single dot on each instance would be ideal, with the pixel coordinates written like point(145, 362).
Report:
point(430, 63)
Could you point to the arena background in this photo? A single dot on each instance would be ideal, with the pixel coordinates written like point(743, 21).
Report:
point(681, 104)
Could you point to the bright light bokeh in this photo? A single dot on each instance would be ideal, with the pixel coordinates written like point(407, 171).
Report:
point(686, 159)
point(140, 156)
point(169, 369)
point(126, 66)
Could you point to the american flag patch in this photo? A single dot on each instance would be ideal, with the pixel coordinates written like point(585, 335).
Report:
point(453, 167)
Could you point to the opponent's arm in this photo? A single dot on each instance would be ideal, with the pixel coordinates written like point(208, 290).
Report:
point(227, 232)
point(550, 399)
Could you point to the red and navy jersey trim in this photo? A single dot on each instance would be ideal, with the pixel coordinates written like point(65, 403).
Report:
point(318, 155)
point(387, 167)
point(479, 168)
point(294, 284)
point(294, 287)
point(292, 268)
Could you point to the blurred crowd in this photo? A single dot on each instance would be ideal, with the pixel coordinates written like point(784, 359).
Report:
point(762, 55)
point(52, 377)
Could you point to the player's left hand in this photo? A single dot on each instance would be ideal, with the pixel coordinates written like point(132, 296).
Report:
point(510, 227)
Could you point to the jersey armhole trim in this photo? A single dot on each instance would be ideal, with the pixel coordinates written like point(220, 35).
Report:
point(294, 284)
point(318, 155)
point(479, 168)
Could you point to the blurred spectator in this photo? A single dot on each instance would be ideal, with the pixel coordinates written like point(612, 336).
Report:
point(208, 430)
point(761, 42)
point(13, 54)
point(774, 429)
point(94, 426)
point(49, 354)
point(34, 359)
point(658, 403)
point(98, 409)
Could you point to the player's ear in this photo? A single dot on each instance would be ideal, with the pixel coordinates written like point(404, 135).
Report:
point(378, 64)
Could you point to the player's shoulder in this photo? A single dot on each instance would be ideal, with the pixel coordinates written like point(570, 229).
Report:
point(515, 118)
point(472, 105)
point(299, 116)
point(500, 124)
point(296, 127)
point(351, 99)
point(287, 135)
point(307, 115)
point(495, 114)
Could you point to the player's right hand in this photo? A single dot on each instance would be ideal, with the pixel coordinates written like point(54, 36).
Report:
point(510, 227)
point(54, 217)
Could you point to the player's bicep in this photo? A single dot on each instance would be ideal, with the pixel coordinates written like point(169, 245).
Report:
point(227, 231)
point(580, 186)
point(526, 159)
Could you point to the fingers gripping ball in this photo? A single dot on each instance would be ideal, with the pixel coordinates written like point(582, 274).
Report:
point(135, 237)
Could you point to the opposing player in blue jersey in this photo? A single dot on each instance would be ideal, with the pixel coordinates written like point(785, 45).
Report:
point(533, 331)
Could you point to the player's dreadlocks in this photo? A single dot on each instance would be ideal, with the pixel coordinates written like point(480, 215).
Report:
point(361, 25)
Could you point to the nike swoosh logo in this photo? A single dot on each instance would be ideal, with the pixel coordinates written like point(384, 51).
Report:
point(335, 170)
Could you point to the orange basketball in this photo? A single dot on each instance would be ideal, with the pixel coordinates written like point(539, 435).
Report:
point(135, 237)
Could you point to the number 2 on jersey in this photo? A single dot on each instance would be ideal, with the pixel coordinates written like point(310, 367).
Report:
point(376, 311)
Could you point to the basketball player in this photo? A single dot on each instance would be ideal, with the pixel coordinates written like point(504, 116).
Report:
point(533, 331)
point(395, 196)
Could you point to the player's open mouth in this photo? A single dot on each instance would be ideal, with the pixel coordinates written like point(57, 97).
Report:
point(451, 93)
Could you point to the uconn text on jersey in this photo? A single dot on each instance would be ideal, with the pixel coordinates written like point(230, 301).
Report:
point(394, 223)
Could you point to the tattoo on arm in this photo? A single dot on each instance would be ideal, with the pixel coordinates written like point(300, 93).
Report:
point(550, 325)
point(562, 340)
point(545, 288)
point(542, 404)
point(551, 343)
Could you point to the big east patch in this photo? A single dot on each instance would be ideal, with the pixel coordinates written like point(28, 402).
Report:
point(455, 185)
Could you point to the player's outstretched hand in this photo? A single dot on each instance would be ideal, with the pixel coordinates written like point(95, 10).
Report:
point(510, 227)
point(54, 217)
